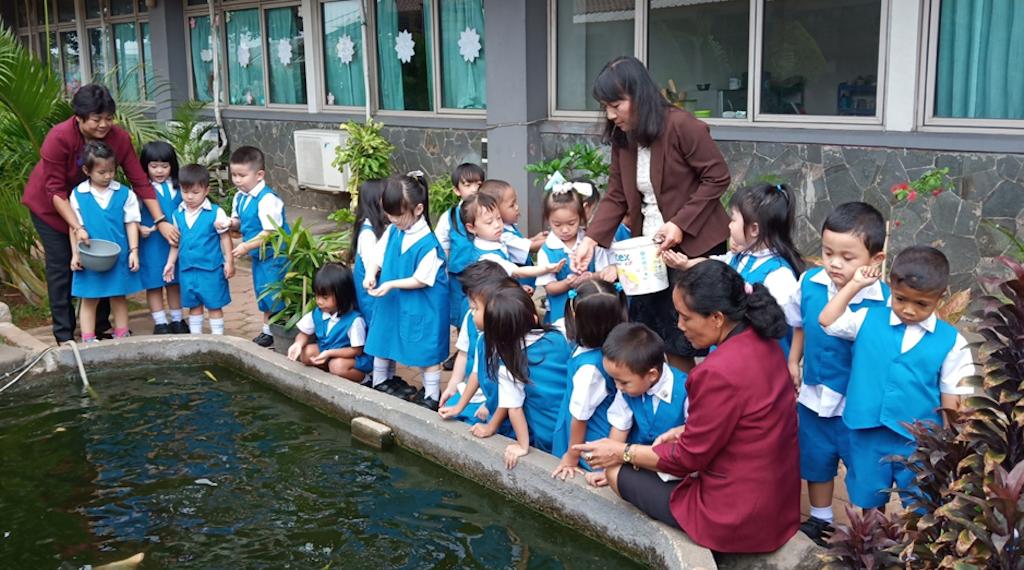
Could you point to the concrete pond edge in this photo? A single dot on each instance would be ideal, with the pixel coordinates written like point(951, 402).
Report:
point(597, 513)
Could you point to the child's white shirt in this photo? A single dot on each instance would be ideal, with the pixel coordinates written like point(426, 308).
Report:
point(192, 215)
point(780, 283)
point(366, 242)
point(103, 196)
point(462, 342)
point(602, 257)
point(588, 389)
point(826, 402)
point(270, 209)
point(443, 230)
point(518, 247)
point(511, 392)
point(957, 364)
point(488, 246)
point(426, 270)
point(356, 331)
point(619, 413)
point(159, 188)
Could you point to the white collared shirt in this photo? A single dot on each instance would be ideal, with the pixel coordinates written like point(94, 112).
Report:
point(426, 270)
point(653, 220)
point(366, 241)
point(270, 209)
point(956, 366)
point(192, 215)
point(103, 196)
point(602, 257)
point(619, 413)
point(512, 392)
point(780, 283)
point(443, 229)
point(488, 245)
point(159, 188)
point(462, 342)
point(518, 247)
point(356, 331)
point(588, 389)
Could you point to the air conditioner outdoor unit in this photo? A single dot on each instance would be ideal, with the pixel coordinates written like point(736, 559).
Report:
point(314, 153)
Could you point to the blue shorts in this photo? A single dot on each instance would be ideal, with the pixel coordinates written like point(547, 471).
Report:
point(823, 442)
point(204, 287)
point(364, 363)
point(264, 273)
point(871, 477)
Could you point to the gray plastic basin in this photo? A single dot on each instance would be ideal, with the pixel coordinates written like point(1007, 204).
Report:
point(99, 255)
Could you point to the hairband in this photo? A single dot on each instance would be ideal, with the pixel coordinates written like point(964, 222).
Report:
point(618, 287)
point(557, 184)
point(572, 293)
point(781, 190)
point(748, 288)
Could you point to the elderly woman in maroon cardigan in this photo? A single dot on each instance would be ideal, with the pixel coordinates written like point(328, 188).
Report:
point(58, 171)
point(737, 455)
point(666, 181)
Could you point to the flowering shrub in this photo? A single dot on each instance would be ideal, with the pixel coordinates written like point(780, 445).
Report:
point(929, 185)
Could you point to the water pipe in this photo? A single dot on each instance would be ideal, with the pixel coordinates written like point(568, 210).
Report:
point(23, 369)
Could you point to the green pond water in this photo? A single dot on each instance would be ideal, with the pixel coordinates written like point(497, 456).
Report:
point(85, 481)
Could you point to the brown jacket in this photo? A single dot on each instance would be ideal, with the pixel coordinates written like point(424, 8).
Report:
point(689, 177)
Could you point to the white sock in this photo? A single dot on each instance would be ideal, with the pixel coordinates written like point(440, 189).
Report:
point(380, 370)
point(175, 315)
point(823, 513)
point(217, 326)
point(392, 368)
point(266, 328)
point(195, 324)
point(432, 384)
point(159, 317)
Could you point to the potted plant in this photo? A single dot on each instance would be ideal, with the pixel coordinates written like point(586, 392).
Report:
point(579, 160)
point(367, 155)
point(306, 253)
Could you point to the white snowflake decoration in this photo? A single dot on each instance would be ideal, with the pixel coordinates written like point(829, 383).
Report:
point(248, 97)
point(284, 51)
point(346, 49)
point(206, 55)
point(243, 51)
point(330, 98)
point(404, 46)
point(469, 45)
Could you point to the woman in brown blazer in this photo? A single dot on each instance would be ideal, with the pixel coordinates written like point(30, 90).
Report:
point(666, 181)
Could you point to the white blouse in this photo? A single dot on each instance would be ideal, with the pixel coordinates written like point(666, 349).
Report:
point(651, 213)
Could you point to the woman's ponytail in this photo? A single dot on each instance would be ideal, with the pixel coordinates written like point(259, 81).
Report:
point(764, 314)
point(712, 286)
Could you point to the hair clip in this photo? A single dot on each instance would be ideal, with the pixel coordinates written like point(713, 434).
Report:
point(554, 180)
point(618, 287)
point(415, 174)
point(584, 189)
point(748, 288)
point(572, 293)
point(782, 190)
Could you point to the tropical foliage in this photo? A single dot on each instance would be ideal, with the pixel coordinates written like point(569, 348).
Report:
point(367, 154)
point(580, 160)
point(442, 197)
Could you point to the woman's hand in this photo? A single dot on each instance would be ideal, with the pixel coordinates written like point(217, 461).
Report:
point(582, 255)
point(568, 466)
point(675, 259)
point(601, 454)
point(170, 233)
point(512, 454)
point(671, 435)
point(668, 236)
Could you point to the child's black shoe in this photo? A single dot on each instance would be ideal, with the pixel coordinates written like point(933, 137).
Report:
point(179, 327)
point(397, 388)
point(162, 328)
point(265, 340)
point(817, 530)
point(421, 399)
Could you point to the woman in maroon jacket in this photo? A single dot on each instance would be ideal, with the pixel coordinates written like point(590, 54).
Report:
point(737, 455)
point(666, 181)
point(58, 171)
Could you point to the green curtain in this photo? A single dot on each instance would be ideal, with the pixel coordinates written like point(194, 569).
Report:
point(287, 80)
point(147, 60)
point(126, 53)
point(392, 95)
point(245, 82)
point(344, 81)
point(463, 83)
point(202, 71)
point(981, 47)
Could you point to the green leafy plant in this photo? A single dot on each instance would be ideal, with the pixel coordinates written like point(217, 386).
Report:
point(867, 542)
point(579, 160)
point(1016, 244)
point(367, 155)
point(442, 197)
point(306, 253)
point(929, 185)
point(189, 133)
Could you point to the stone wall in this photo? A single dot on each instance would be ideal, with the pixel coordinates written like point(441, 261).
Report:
point(434, 151)
point(985, 187)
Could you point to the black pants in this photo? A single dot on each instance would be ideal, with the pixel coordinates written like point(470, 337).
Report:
point(57, 248)
point(647, 492)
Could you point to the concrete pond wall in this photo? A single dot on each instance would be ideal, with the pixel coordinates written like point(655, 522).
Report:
point(595, 512)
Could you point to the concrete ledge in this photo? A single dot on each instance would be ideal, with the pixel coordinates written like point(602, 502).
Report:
point(374, 434)
point(16, 337)
point(598, 513)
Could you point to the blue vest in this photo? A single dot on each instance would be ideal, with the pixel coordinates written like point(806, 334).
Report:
point(168, 204)
point(489, 386)
point(337, 337)
point(758, 275)
point(474, 336)
point(153, 250)
point(622, 233)
point(528, 281)
point(200, 244)
point(648, 424)
point(888, 388)
point(364, 299)
point(826, 358)
point(249, 218)
point(547, 360)
point(597, 426)
point(556, 303)
point(105, 224)
point(461, 252)
point(410, 326)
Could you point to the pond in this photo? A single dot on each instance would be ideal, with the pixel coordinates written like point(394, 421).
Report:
point(201, 467)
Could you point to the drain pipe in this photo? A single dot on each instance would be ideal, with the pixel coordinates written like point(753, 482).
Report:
point(81, 367)
point(23, 370)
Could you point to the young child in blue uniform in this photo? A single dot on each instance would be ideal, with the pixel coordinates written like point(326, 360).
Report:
point(338, 326)
point(595, 308)
point(161, 165)
point(483, 221)
point(518, 246)
point(203, 256)
point(107, 211)
point(410, 317)
point(479, 280)
point(529, 361)
point(906, 364)
point(257, 212)
point(651, 397)
point(566, 218)
point(853, 236)
point(456, 242)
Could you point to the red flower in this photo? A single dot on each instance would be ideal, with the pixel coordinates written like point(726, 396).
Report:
point(937, 191)
point(912, 196)
point(898, 187)
point(897, 223)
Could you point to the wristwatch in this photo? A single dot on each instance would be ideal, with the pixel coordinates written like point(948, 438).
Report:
point(627, 455)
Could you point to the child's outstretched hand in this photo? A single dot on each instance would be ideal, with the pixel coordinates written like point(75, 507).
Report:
point(512, 454)
point(380, 291)
point(866, 275)
point(567, 467)
point(555, 267)
point(538, 240)
point(144, 231)
point(168, 273)
point(133, 260)
point(674, 259)
point(481, 430)
point(294, 351)
point(597, 479)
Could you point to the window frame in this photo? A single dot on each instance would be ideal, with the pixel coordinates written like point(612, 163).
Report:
point(33, 29)
point(369, 56)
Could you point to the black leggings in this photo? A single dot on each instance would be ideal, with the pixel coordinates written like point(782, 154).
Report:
point(648, 493)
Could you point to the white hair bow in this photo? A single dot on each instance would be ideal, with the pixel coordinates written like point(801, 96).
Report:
point(557, 184)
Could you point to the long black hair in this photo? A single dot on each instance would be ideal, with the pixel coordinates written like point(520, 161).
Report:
point(369, 209)
point(404, 192)
point(712, 286)
point(626, 78)
point(160, 151)
point(770, 206)
point(335, 280)
point(596, 309)
point(508, 317)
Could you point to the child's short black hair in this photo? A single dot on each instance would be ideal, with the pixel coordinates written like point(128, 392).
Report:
point(597, 308)
point(92, 98)
point(494, 188)
point(635, 346)
point(94, 151)
point(467, 171)
point(335, 280)
point(860, 219)
point(159, 151)
point(921, 268)
point(482, 274)
point(249, 155)
point(471, 206)
point(193, 175)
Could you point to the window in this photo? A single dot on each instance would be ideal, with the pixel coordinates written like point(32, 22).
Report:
point(463, 67)
point(70, 58)
point(147, 57)
point(114, 31)
point(129, 62)
point(404, 42)
point(201, 57)
point(344, 54)
point(977, 61)
point(287, 56)
point(589, 33)
point(97, 55)
point(245, 57)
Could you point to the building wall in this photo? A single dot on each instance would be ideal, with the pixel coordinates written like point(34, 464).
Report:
point(985, 187)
